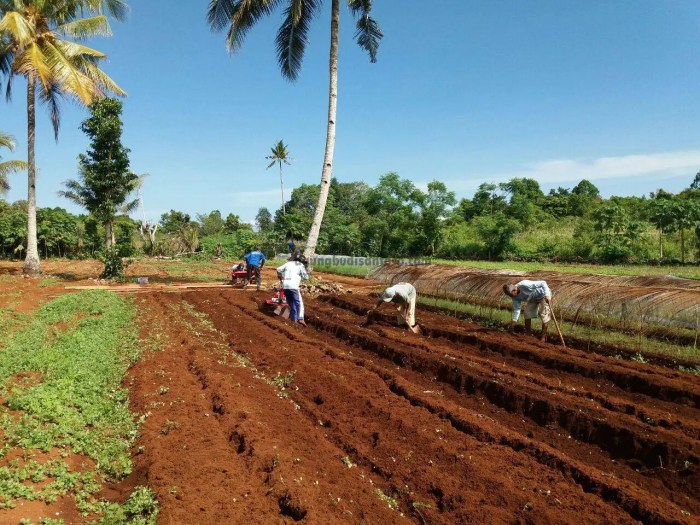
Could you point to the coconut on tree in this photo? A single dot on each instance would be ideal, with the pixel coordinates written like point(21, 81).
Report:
point(280, 155)
point(39, 40)
point(238, 16)
point(9, 166)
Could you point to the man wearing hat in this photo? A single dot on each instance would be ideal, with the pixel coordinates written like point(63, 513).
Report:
point(403, 295)
point(538, 302)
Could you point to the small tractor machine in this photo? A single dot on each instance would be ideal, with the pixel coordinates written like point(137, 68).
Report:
point(278, 303)
point(239, 276)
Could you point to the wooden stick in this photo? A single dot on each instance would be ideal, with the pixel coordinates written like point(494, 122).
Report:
point(554, 318)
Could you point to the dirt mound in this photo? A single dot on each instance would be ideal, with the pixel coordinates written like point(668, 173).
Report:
point(319, 286)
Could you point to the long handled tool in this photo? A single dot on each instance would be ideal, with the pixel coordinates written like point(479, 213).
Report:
point(556, 323)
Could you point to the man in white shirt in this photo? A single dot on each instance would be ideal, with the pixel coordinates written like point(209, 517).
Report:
point(291, 274)
point(403, 295)
point(538, 302)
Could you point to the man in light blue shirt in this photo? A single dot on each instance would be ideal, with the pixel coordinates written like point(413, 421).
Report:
point(538, 302)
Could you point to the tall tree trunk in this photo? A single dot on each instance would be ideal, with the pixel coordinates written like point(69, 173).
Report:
point(32, 266)
point(284, 211)
point(661, 244)
point(327, 171)
point(109, 235)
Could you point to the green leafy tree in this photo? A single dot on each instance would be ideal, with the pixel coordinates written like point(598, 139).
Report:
point(584, 197)
point(488, 200)
point(684, 214)
point(695, 185)
point(173, 221)
point(524, 199)
point(280, 155)
point(9, 166)
point(33, 44)
point(233, 223)
point(263, 220)
point(497, 232)
point(661, 217)
point(392, 209)
point(292, 37)
point(558, 202)
point(106, 183)
point(434, 207)
point(211, 224)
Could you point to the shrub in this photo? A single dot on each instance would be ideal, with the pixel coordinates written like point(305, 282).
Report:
point(114, 265)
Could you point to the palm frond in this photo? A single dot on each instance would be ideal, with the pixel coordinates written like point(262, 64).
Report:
point(220, 12)
point(360, 7)
point(368, 34)
point(117, 9)
point(86, 28)
point(240, 16)
point(73, 196)
point(129, 207)
point(271, 163)
point(292, 36)
point(34, 62)
point(8, 87)
point(73, 50)
point(18, 27)
point(71, 79)
point(102, 81)
point(51, 98)
point(7, 168)
point(7, 141)
point(6, 56)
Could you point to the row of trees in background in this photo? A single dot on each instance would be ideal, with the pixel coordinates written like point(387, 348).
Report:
point(510, 220)
point(40, 41)
point(394, 218)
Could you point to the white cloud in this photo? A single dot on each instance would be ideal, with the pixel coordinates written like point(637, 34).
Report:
point(659, 165)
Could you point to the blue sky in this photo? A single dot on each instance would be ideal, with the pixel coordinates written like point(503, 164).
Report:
point(467, 92)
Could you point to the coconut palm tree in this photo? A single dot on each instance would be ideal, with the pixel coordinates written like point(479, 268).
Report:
point(34, 44)
point(280, 155)
point(9, 166)
point(238, 16)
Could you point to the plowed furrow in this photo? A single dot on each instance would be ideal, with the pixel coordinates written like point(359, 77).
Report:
point(422, 460)
point(340, 393)
point(651, 412)
point(648, 380)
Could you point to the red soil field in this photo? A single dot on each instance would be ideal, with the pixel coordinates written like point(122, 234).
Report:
point(254, 420)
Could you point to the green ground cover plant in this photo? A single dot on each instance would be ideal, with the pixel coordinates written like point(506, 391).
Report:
point(688, 272)
point(60, 380)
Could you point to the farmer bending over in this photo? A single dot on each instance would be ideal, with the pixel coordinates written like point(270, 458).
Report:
point(538, 300)
point(255, 261)
point(404, 296)
point(291, 274)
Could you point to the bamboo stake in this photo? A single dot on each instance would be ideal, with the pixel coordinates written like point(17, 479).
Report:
point(556, 323)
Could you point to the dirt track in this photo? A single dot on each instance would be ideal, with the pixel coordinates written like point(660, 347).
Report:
point(464, 425)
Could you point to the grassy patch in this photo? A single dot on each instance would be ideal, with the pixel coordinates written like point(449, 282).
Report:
point(47, 281)
point(689, 272)
point(60, 379)
point(345, 269)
